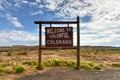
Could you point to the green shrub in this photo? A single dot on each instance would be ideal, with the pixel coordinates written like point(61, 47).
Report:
point(39, 67)
point(9, 70)
point(97, 68)
point(2, 71)
point(48, 63)
point(56, 62)
point(9, 53)
point(1, 60)
point(59, 62)
point(31, 63)
point(22, 53)
point(71, 63)
point(19, 69)
point(116, 64)
point(91, 64)
point(86, 67)
point(3, 65)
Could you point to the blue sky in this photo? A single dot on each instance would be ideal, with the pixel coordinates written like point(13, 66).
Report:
point(99, 20)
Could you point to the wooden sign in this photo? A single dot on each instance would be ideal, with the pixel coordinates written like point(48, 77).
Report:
point(59, 36)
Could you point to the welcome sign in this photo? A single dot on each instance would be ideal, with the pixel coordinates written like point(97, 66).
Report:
point(59, 36)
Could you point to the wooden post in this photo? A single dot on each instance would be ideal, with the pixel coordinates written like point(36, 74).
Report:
point(67, 25)
point(78, 44)
point(50, 25)
point(40, 46)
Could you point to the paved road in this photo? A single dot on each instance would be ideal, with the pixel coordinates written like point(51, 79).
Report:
point(72, 74)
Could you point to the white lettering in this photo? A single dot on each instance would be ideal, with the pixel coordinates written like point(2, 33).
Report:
point(58, 42)
point(55, 30)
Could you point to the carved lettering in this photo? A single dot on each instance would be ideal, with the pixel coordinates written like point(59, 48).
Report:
point(59, 36)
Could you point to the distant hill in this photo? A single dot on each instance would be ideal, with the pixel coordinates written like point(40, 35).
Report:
point(100, 47)
point(18, 47)
point(22, 47)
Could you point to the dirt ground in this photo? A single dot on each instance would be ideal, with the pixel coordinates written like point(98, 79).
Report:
point(107, 72)
point(72, 74)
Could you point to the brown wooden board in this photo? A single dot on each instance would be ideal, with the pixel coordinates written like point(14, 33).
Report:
point(59, 36)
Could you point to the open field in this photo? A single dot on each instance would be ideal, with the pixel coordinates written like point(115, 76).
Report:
point(17, 61)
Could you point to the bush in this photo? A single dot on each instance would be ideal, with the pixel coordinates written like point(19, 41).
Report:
point(48, 63)
point(31, 63)
point(22, 53)
point(2, 71)
point(1, 60)
point(71, 63)
point(116, 64)
point(9, 70)
point(20, 69)
point(39, 67)
point(97, 68)
point(9, 53)
point(59, 62)
point(86, 65)
point(56, 62)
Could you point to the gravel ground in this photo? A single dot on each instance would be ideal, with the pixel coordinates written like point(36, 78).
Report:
point(72, 74)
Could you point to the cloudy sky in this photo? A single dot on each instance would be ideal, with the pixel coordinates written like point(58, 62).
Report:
point(99, 20)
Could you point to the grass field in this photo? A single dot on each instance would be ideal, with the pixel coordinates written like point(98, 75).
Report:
point(18, 61)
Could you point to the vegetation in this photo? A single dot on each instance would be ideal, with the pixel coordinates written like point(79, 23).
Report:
point(9, 53)
point(100, 51)
point(1, 60)
point(22, 53)
point(18, 60)
point(40, 67)
point(85, 65)
point(5, 69)
point(31, 63)
point(20, 69)
point(2, 71)
point(59, 62)
point(115, 64)
point(9, 70)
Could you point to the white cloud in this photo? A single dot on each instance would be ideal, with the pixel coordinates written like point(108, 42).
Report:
point(105, 13)
point(37, 12)
point(48, 4)
point(18, 3)
point(38, 1)
point(105, 17)
point(43, 29)
point(7, 5)
point(13, 37)
point(1, 8)
point(13, 20)
point(25, 1)
point(106, 37)
point(4, 5)
point(52, 4)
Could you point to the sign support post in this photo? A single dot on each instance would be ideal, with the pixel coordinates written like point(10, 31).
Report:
point(78, 44)
point(40, 46)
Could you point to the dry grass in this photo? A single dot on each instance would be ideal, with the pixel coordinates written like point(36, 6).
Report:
point(10, 59)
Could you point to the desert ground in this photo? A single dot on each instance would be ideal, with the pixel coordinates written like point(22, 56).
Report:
point(20, 61)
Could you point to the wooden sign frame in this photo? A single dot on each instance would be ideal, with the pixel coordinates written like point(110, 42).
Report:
point(59, 22)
